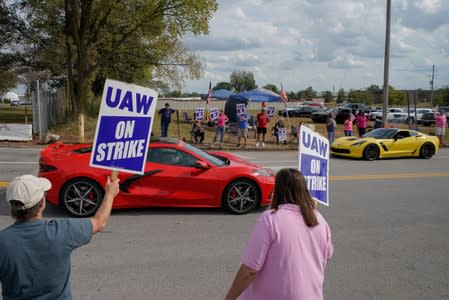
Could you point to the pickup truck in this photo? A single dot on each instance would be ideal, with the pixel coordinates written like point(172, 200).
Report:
point(395, 115)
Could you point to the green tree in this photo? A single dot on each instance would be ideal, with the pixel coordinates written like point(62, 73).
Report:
point(327, 95)
point(341, 96)
point(223, 85)
point(133, 41)
point(307, 93)
point(376, 93)
point(365, 97)
point(272, 88)
point(441, 96)
point(242, 80)
point(396, 97)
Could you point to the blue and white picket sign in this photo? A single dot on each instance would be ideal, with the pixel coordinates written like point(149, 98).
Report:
point(314, 163)
point(270, 111)
point(282, 134)
point(123, 127)
point(199, 114)
point(213, 114)
point(241, 109)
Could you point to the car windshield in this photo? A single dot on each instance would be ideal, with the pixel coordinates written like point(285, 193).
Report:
point(381, 133)
point(205, 155)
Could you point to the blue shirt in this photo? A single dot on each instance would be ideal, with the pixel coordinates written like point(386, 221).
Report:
point(165, 114)
point(35, 257)
point(243, 121)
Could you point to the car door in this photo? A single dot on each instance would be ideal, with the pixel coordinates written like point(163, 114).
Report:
point(402, 144)
point(175, 180)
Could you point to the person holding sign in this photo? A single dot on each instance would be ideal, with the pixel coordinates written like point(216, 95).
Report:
point(242, 130)
point(290, 243)
point(219, 131)
point(35, 253)
point(165, 114)
point(277, 126)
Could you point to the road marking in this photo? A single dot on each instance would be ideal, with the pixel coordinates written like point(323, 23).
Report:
point(18, 162)
point(390, 176)
point(4, 184)
point(22, 149)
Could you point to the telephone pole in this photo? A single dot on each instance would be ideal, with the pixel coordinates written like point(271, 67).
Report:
point(431, 85)
point(386, 62)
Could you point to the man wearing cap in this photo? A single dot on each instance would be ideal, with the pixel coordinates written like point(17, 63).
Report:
point(35, 253)
point(165, 114)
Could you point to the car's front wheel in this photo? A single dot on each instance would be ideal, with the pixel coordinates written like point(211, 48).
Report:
point(427, 151)
point(371, 152)
point(81, 197)
point(241, 196)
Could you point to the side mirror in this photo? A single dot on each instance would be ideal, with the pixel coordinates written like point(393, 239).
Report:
point(201, 165)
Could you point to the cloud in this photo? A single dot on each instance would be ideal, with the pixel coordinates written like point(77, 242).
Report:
point(324, 43)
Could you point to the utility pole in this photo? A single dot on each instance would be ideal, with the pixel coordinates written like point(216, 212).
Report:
point(431, 85)
point(386, 63)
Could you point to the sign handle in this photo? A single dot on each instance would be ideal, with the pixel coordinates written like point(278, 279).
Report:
point(114, 175)
point(177, 121)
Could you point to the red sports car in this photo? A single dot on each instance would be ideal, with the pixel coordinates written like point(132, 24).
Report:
point(177, 174)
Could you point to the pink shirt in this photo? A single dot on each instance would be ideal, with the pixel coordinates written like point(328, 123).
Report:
point(361, 121)
point(221, 120)
point(440, 121)
point(348, 125)
point(289, 256)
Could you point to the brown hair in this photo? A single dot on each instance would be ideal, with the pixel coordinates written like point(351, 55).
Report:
point(290, 188)
point(20, 213)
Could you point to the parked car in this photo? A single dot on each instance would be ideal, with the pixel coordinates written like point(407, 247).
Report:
point(387, 143)
point(15, 103)
point(322, 116)
point(343, 114)
point(304, 111)
point(283, 112)
point(177, 174)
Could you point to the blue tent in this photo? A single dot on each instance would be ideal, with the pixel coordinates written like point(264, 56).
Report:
point(257, 95)
point(220, 94)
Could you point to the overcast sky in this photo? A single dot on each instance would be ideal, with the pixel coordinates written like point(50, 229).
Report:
point(326, 44)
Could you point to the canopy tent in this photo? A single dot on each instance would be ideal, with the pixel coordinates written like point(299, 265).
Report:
point(220, 94)
point(257, 95)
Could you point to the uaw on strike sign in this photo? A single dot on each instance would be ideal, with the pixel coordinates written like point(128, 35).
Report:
point(314, 163)
point(124, 127)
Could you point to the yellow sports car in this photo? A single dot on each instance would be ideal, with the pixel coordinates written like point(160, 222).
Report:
point(386, 143)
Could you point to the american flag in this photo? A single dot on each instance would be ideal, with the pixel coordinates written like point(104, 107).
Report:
point(209, 93)
point(283, 95)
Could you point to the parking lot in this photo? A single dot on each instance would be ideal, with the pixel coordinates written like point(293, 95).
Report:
point(388, 219)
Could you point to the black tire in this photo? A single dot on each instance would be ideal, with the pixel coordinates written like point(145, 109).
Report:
point(371, 152)
point(427, 151)
point(81, 197)
point(241, 196)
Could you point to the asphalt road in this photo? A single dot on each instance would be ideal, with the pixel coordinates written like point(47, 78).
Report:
point(389, 220)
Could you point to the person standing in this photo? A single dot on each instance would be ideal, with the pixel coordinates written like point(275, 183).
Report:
point(262, 124)
point(361, 121)
point(290, 244)
point(165, 115)
point(278, 125)
point(440, 125)
point(348, 126)
point(219, 131)
point(242, 130)
point(35, 253)
point(331, 128)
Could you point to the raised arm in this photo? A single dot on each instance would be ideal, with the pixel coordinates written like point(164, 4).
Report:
point(101, 218)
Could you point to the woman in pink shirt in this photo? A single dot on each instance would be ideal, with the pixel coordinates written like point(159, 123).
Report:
point(361, 121)
point(287, 251)
point(348, 125)
point(440, 124)
point(221, 120)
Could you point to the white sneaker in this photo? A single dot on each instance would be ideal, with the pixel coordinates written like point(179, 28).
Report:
point(257, 144)
point(263, 144)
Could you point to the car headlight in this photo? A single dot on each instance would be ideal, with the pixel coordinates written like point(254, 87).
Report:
point(358, 143)
point(263, 172)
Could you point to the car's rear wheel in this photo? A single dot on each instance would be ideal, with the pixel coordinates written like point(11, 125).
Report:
point(371, 152)
point(427, 151)
point(241, 196)
point(81, 197)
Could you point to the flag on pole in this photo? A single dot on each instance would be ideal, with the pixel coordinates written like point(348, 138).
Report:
point(209, 93)
point(283, 95)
